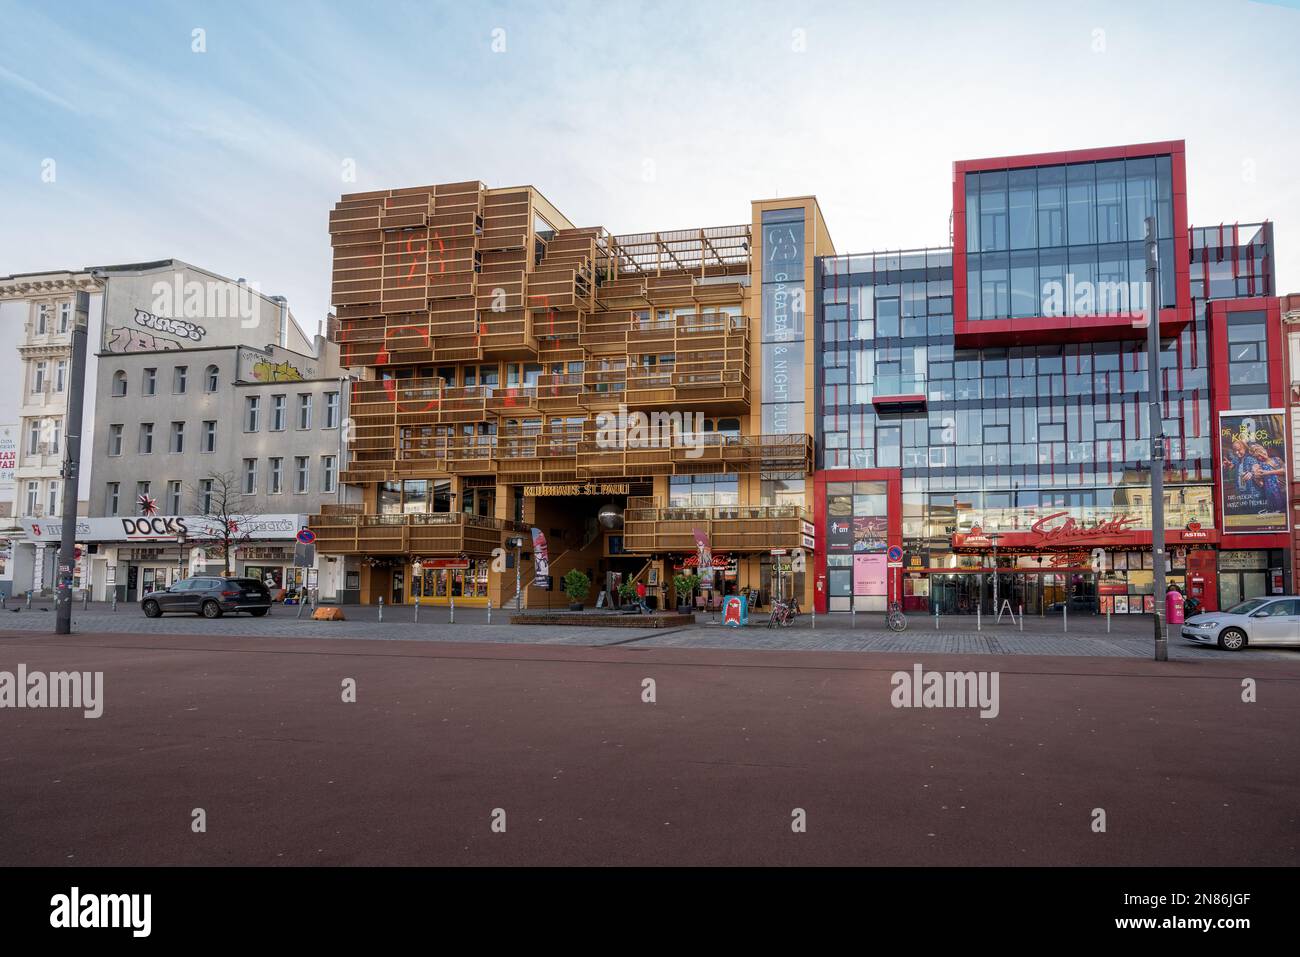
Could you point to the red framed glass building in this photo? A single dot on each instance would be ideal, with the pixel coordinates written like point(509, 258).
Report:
point(984, 405)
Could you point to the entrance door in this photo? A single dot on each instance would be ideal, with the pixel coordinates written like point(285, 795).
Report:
point(399, 586)
point(439, 585)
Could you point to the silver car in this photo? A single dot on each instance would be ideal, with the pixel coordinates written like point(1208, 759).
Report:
point(1259, 621)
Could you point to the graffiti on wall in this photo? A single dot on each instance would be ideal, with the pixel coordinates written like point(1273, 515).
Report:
point(122, 339)
point(175, 327)
point(264, 370)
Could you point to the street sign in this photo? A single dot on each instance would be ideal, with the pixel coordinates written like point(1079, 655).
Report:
point(895, 555)
point(780, 551)
point(305, 535)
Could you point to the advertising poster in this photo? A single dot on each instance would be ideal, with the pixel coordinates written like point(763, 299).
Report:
point(8, 459)
point(1253, 473)
point(870, 575)
point(541, 561)
point(869, 534)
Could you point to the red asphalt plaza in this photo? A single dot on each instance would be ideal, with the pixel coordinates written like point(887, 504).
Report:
point(255, 732)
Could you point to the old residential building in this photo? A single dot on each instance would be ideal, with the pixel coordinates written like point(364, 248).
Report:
point(36, 312)
point(206, 384)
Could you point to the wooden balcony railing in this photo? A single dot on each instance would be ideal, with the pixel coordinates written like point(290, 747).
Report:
point(731, 528)
point(423, 533)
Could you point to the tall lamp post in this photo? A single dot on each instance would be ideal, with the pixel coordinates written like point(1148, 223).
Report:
point(70, 472)
point(1157, 441)
point(180, 556)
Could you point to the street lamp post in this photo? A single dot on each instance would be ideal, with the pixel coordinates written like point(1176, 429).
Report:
point(1157, 440)
point(180, 556)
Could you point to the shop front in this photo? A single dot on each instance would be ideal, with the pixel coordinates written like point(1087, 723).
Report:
point(131, 556)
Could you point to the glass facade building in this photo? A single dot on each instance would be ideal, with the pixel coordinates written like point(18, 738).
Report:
point(1027, 451)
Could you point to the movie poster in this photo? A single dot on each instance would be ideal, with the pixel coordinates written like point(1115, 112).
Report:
point(1252, 457)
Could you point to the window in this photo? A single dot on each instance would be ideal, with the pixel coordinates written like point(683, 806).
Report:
point(56, 435)
point(38, 378)
point(304, 410)
point(61, 375)
point(42, 319)
point(115, 439)
point(301, 474)
point(178, 437)
point(275, 484)
point(180, 378)
point(52, 497)
point(33, 497)
point(174, 497)
point(34, 437)
point(205, 496)
point(279, 403)
point(250, 476)
point(119, 383)
point(112, 498)
point(209, 436)
point(332, 408)
point(252, 413)
point(141, 490)
point(150, 386)
point(65, 316)
point(329, 472)
point(210, 379)
point(146, 438)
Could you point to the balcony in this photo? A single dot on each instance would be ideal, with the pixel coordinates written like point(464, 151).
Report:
point(731, 528)
point(899, 393)
point(345, 530)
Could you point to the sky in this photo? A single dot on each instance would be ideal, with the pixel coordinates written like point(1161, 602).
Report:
point(223, 133)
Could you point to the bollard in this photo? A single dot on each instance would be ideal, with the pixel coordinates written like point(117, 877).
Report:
point(451, 619)
point(1108, 621)
point(381, 609)
point(979, 617)
point(936, 617)
point(814, 614)
point(1022, 617)
point(302, 600)
point(1065, 617)
point(85, 598)
point(416, 619)
point(29, 600)
point(489, 611)
point(115, 598)
point(853, 616)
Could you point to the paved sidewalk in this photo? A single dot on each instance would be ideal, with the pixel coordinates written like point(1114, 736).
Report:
point(1129, 636)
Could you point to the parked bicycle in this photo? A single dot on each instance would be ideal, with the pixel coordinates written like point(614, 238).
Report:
point(895, 620)
point(783, 613)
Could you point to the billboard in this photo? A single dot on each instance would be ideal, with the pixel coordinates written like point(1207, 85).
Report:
point(8, 459)
point(1252, 470)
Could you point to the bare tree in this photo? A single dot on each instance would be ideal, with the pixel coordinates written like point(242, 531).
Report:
point(230, 515)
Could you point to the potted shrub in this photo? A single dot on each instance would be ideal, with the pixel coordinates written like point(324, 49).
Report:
point(627, 592)
point(576, 585)
point(684, 586)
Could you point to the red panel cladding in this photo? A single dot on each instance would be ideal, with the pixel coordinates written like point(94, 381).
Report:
point(1041, 330)
point(894, 490)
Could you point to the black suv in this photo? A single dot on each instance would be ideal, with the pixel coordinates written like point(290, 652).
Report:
point(209, 597)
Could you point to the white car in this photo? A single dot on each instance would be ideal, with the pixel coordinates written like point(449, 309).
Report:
point(1259, 621)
